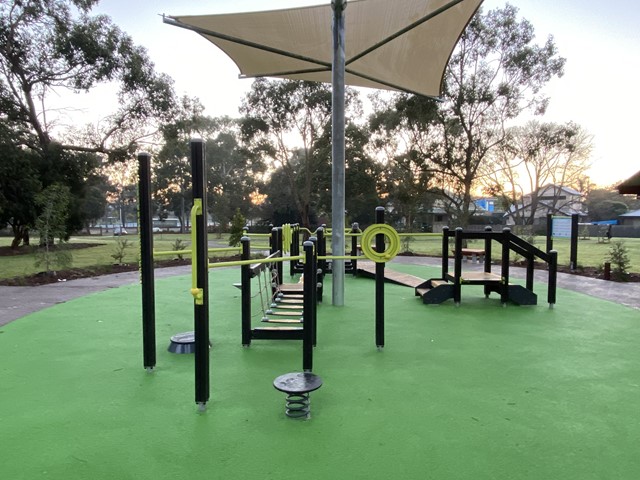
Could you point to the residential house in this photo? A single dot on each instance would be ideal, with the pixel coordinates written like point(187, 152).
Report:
point(631, 219)
point(554, 199)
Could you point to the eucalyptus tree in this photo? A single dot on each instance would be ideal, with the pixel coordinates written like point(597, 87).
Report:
point(234, 169)
point(286, 119)
point(536, 155)
point(53, 48)
point(496, 72)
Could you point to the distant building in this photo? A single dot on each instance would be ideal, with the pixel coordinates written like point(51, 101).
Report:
point(554, 199)
point(631, 219)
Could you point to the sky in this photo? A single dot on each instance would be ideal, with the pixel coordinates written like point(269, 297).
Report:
point(600, 40)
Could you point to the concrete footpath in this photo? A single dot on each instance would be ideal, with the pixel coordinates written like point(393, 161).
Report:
point(16, 302)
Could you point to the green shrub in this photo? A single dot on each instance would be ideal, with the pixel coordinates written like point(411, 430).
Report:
point(618, 256)
point(121, 245)
point(177, 245)
point(51, 224)
point(237, 228)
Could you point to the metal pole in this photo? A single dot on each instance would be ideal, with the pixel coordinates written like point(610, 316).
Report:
point(380, 283)
point(549, 232)
point(307, 322)
point(337, 152)
point(245, 281)
point(146, 262)
point(201, 307)
point(573, 262)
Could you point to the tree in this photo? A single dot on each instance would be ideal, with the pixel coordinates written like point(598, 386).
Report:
point(52, 47)
point(51, 224)
point(284, 121)
point(534, 156)
point(606, 204)
point(496, 73)
point(19, 184)
point(234, 169)
point(363, 175)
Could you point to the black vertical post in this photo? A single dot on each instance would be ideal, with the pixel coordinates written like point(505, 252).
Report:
point(322, 249)
point(318, 292)
point(488, 240)
point(506, 243)
point(573, 263)
point(273, 248)
point(201, 305)
point(445, 252)
point(457, 267)
point(380, 283)
point(553, 274)
point(146, 262)
point(245, 283)
point(530, 272)
point(355, 230)
point(295, 248)
point(549, 232)
point(307, 321)
point(280, 248)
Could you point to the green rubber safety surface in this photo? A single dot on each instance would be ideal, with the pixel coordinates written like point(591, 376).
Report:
point(471, 392)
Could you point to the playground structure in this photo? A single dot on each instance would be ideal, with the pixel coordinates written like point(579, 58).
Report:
point(200, 268)
point(281, 303)
point(437, 290)
point(314, 265)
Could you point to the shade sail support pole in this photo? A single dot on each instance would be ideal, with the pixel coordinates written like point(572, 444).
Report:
point(337, 151)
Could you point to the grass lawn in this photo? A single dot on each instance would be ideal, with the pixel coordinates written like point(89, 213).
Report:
point(100, 255)
point(590, 252)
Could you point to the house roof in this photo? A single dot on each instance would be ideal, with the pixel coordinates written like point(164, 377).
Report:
point(568, 190)
point(630, 186)
point(635, 213)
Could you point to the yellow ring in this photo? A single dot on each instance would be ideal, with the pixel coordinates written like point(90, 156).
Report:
point(368, 236)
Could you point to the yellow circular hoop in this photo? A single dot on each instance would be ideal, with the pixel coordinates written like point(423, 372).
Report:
point(369, 235)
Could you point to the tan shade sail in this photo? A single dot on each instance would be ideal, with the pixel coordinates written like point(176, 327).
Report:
point(390, 44)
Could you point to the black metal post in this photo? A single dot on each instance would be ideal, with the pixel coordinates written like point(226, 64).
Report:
point(316, 293)
point(146, 262)
point(530, 272)
point(549, 232)
point(445, 252)
point(504, 288)
point(294, 248)
point(380, 283)
point(201, 305)
point(279, 247)
point(553, 274)
point(245, 282)
point(573, 262)
point(457, 267)
point(322, 249)
point(307, 321)
point(487, 256)
point(355, 230)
